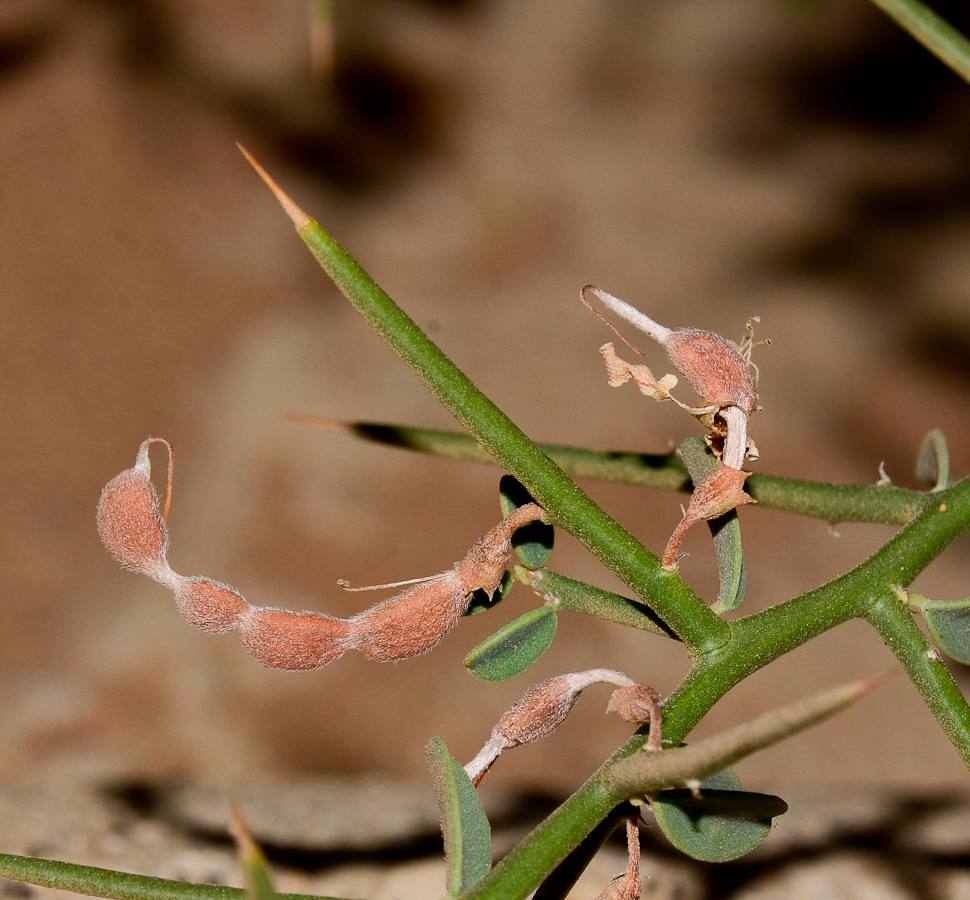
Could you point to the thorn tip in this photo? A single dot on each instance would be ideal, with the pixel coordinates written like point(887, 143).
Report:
point(299, 218)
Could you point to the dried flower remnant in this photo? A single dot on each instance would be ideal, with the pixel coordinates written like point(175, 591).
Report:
point(544, 707)
point(626, 886)
point(409, 624)
point(724, 378)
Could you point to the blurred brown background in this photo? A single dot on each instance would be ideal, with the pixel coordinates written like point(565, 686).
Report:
point(706, 160)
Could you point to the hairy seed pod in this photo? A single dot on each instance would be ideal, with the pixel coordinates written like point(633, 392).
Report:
point(208, 604)
point(636, 704)
point(539, 712)
point(293, 641)
point(719, 493)
point(411, 623)
point(130, 524)
point(713, 367)
point(416, 620)
point(406, 625)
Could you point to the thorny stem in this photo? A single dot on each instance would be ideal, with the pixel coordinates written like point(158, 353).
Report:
point(723, 653)
point(833, 503)
point(757, 640)
point(94, 882)
point(570, 507)
point(933, 32)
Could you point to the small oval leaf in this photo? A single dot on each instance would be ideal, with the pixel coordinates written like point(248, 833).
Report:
point(725, 822)
point(949, 623)
point(533, 542)
point(464, 825)
point(514, 648)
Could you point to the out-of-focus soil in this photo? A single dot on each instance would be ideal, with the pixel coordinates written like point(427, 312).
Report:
point(708, 161)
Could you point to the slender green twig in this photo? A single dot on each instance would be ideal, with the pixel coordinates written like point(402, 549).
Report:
point(895, 622)
point(833, 503)
point(666, 592)
point(756, 641)
point(932, 31)
point(95, 882)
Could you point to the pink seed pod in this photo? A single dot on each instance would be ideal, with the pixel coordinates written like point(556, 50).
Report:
point(416, 620)
point(129, 522)
point(406, 625)
point(713, 367)
point(485, 563)
point(293, 641)
point(411, 623)
point(208, 604)
point(540, 711)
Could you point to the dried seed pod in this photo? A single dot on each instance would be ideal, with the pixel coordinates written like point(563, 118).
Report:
point(411, 623)
point(293, 641)
point(208, 604)
point(539, 712)
point(714, 366)
point(406, 625)
point(129, 522)
point(719, 493)
point(485, 563)
point(416, 620)
point(636, 704)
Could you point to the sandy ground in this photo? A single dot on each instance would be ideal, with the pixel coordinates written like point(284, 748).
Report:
point(708, 161)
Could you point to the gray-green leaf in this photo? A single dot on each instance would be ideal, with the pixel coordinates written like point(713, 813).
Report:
point(725, 822)
point(933, 461)
point(464, 825)
point(949, 623)
point(514, 648)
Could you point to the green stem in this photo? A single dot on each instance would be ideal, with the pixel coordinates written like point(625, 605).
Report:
point(895, 622)
point(932, 31)
point(761, 638)
point(550, 843)
point(833, 503)
point(95, 882)
point(686, 614)
point(577, 596)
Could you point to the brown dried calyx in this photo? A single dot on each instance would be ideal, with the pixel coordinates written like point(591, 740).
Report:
point(626, 886)
point(723, 377)
point(409, 624)
point(544, 707)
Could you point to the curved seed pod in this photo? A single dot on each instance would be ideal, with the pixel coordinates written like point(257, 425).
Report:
point(293, 641)
point(485, 563)
point(129, 522)
point(713, 366)
point(543, 708)
point(406, 625)
point(208, 604)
